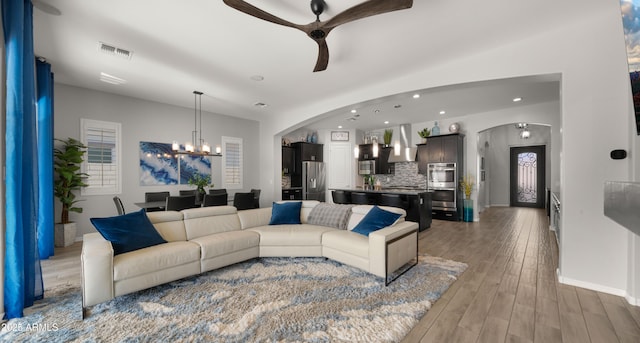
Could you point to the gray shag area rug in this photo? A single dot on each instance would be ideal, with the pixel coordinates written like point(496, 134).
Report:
point(261, 300)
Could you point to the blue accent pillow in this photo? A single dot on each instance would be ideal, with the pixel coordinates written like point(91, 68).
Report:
point(285, 213)
point(128, 232)
point(375, 220)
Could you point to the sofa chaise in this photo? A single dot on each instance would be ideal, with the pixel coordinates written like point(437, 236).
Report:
point(208, 238)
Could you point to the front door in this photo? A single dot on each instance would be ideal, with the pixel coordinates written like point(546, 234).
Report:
point(527, 176)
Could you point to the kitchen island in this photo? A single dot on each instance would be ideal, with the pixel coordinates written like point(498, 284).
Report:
point(417, 202)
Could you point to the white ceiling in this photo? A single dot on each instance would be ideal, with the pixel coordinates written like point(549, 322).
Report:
point(181, 46)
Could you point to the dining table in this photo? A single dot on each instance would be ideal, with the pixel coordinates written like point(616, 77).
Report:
point(151, 204)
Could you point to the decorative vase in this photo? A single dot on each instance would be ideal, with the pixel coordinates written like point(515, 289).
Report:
point(64, 234)
point(436, 130)
point(467, 210)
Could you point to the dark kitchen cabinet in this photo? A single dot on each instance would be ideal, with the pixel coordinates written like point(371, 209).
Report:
point(365, 152)
point(288, 165)
point(382, 164)
point(308, 152)
point(292, 194)
point(440, 149)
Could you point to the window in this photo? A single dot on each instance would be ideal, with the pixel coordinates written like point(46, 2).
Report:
point(232, 163)
point(102, 161)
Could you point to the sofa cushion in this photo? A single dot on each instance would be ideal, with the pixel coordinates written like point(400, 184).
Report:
point(375, 220)
point(347, 241)
point(226, 242)
point(303, 234)
point(358, 212)
point(204, 221)
point(331, 215)
point(153, 259)
point(285, 213)
point(170, 225)
point(128, 232)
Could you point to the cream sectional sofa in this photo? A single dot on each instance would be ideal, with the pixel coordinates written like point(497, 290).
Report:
point(204, 239)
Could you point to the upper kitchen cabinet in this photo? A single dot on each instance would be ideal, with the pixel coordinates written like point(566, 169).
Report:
point(440, 149)
point(365, 152)
point(308, 151)
point(288, 166)
point(383, 166)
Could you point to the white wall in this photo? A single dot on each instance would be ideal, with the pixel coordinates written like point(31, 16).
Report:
point(505, 137)
point(145, 121)
point(589, 53)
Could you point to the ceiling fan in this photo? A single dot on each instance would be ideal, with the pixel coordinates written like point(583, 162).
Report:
point(318, 30)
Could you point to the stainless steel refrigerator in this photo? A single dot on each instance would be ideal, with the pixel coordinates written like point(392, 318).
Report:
point(313, 181)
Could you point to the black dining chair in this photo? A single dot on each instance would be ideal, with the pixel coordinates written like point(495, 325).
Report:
point(218, 191)
point(155, 196)
point(188, 192)
point(393, 200)
point(360, 198)
point(243, 201)
point(340, 197)
point(214, 200)
point(119, 205)
point(180, 203)
point(256, 198)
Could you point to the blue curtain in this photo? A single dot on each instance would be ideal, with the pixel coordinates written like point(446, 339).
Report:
point(23, 278)
point(44, 79)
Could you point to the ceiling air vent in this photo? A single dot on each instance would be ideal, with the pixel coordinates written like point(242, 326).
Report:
point(114, 51)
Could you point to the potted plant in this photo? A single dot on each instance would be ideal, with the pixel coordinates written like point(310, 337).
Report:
point(424, 134)
point(67, 180)
point(388, 134)
point(200, 182)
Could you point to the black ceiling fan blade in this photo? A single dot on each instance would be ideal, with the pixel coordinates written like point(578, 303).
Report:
point(367, 9)
point(251, 10)
point(323, 56)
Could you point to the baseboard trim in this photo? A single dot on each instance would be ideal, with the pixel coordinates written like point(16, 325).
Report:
point(598, 288)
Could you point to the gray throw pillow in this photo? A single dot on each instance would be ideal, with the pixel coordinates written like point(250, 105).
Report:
point(331, 215)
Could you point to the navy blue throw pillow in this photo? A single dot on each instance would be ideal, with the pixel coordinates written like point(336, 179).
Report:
point(128, 232)
point(375, 220)
point(285, 213)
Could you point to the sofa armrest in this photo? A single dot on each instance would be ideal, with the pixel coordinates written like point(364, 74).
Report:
point(97, 269)
point(392, 247)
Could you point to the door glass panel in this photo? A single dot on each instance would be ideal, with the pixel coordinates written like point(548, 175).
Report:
point(527, 177)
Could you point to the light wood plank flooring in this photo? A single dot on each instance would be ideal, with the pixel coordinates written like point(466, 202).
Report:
point(509, 293)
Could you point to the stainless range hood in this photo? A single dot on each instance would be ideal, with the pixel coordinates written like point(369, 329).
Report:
point(407, 153)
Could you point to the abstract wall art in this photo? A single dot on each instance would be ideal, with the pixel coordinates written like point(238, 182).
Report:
point(158, 165)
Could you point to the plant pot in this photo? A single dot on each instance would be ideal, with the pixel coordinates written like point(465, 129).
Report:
point(65, 234)
point(423, 140)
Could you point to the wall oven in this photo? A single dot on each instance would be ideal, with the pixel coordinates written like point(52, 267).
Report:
point(366, 167)
point(443, 199)
point(441, 175)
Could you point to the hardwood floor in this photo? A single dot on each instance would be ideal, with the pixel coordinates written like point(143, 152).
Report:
point(509, 293)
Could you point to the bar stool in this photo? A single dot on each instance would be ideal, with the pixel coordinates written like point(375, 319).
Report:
point(360, 198)
point(340, 197)
point(392, 200)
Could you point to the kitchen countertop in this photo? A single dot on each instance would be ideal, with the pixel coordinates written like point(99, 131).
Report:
point(405, 191)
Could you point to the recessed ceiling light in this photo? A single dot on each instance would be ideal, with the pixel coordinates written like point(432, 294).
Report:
point(354, 111)
point(517, 99)
point(339, 126)
point(114, 80)
point(376, 111)
point(386, 122)
point(442, 112)
point(416, 96)
point(260, 104)
point(257, 77)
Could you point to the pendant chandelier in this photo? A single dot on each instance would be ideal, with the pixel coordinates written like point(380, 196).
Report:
point(197, 146)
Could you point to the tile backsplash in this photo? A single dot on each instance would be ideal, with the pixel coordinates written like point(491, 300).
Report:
point(406, 174)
